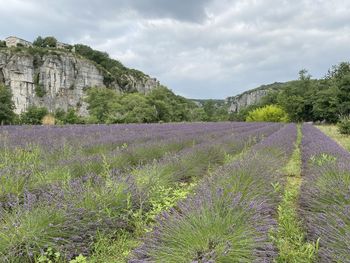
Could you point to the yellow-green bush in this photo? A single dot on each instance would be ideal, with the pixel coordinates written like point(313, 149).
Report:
point(271, 113)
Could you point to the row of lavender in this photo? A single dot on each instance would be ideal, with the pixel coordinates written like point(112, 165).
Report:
point(43, 205)
point(325, 194)
point(230, 216)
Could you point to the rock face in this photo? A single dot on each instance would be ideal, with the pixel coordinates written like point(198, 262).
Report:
point(245, 99)
point(56, 79)
point(238, 102)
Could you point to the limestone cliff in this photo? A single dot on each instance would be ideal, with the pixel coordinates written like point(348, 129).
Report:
point(58, 79)
point(238, 102)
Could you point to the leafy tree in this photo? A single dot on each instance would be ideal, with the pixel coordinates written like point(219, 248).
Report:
point(2, 44)
point(72, 117)
point(45, 42)
point(270, 113)
point(7, 106)
point(344, 126)
point(69, 117)
point(34, 115)
point(102, 103)
point(344, 95)
point(325, 104)
point(135, 109)
point(38, 42)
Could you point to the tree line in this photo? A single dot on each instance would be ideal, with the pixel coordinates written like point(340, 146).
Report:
point(306, 99)
point(108, 106)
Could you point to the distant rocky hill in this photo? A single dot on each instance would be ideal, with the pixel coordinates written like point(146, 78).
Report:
point(253, 96)
point(58, 77)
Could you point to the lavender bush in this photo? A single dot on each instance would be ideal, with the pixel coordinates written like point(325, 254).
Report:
point(230, 216)
point(325, 194)
point(73, 182)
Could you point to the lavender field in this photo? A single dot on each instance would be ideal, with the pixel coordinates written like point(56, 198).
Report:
point(199, 192)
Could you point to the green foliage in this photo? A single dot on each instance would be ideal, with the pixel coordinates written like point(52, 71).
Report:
point(322, 159)
point(214, 111)
point(49, 256)
point(79, 259)
point(344, 95)
point(45, 42)
point(40, 90)
point(344, 125)
point(112, 69)
point(159, 105)
point(7, 106)
point(309, 99)
point(112, 247)
point(69, 117)
point(33, 115)
point(102, 103)
point(2, 44)
point(29, 230)
point(270, 113)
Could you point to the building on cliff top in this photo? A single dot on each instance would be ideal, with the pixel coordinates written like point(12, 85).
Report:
point(16, 41)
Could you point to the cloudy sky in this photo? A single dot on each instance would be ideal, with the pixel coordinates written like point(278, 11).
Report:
point(198, 48)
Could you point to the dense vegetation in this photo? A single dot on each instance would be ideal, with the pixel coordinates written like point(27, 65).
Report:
point(45, 42)
point(107, 106)
point(6, 106)
point(271, 113)
point(307, 99)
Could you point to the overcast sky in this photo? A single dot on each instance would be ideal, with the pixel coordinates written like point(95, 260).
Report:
point(198, 48)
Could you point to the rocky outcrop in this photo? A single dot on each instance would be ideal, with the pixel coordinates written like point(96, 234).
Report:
point(243, 100)
point(250, 97)
point(56, 79)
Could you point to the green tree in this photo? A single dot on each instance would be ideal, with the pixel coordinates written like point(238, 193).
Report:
point(45, 42)
point(72, 117)
point(269, 113)
point(38, 42)
point(7, 106)
point(135, 109)
point(34, 115)
point(103, 102)
point(344, 95)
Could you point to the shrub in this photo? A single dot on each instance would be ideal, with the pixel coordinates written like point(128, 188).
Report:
point(271, 113)
point(7, 106)
point(34, 115)
point(45, 42)
point(48, 119)
point(344, 125)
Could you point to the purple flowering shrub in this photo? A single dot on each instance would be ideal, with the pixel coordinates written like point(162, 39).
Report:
point(325, 194)
point(73, 182)
point(229, 217)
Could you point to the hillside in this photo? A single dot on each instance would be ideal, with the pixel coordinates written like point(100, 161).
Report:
point(253, 96)
point(57, 77)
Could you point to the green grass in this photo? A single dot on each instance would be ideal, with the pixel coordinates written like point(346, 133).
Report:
point(290, 236)
point(333, 132)
point(29, 231)
point(206, 233)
